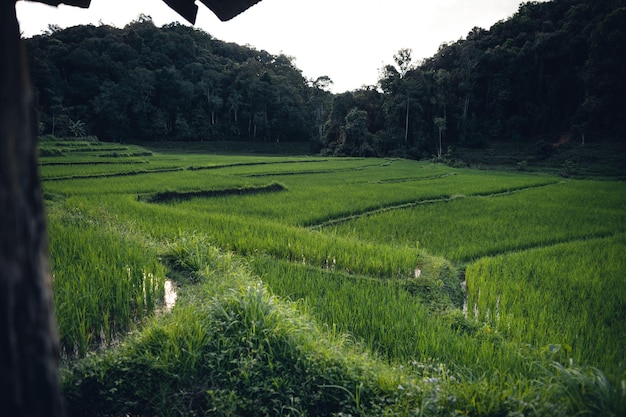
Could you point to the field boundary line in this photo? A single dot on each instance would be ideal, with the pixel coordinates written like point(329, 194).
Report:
point(310, 172)
point(517, 189)
point(113, 174)
point(409, 179)
point(410, 204)
point(543, 245)
point(367, 213)
point(168, 196)
point(152, 171)
point(88, 149)
point(245, 164)
point(57, 163)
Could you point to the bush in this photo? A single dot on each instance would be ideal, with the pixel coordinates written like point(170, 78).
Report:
point(47, 138)
point(50, 152)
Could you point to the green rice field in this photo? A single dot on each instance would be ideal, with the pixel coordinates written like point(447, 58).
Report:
point(476, 292)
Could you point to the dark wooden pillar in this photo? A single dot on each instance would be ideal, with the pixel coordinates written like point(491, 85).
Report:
point(28, 339)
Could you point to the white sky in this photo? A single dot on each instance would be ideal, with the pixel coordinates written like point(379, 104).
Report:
point(348, 40)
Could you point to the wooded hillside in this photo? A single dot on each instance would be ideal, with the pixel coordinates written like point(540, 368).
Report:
point(143, 83)
point(553, 71)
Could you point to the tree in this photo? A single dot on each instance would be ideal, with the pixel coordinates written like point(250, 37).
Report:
point(402, 84)
point(77, 128)
point(354, 139)
point(440, 122)
point(404, 62)
point(333, 128)
point(145, 85)
point(211, 86)
point(319, 97)
point(580, 129)
point(28, 340)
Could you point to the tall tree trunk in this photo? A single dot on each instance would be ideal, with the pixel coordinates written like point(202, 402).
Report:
point(439, 149)
point(319, 114)
point(28, 340)
point(463, 127)
point(406, 124)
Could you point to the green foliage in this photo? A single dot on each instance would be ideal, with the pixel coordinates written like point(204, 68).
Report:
point(50, 152)
point(230, 347)
point(77, 128)
point(551, 71)
point(176, 83)
point(503, 222)
point(550, 74)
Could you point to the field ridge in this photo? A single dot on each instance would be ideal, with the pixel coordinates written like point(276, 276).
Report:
point(113, 174)
point(167, 196)
point(543, 245)
point(312, 172)
point(248, 164)
point(71, 163)
point(409, 179)
point(151, 171)
point(443, 199)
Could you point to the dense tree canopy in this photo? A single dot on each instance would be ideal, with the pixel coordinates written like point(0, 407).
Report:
point(554, 69)
point(143, 83)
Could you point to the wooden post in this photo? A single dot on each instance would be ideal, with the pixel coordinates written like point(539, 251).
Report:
point(28, 339)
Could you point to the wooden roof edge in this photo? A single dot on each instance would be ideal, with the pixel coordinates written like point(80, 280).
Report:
point(223, 9)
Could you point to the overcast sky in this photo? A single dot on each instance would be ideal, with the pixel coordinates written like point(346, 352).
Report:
point(348, 40)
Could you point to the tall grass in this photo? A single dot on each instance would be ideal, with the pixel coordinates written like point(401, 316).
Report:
point(249, 236)
point(230, 347)
point(316, 198)
point(393, 318)
point(103, 282)
point(568, 299)
point(468, 228)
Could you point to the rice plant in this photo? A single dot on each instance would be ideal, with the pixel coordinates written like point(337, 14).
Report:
point(369, 251)
point(233, 348)
point(468, 228)
point(567, 299)
point(103, 282)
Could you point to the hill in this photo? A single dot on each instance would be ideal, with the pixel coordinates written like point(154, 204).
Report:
point(552, 74)
point(143, 83)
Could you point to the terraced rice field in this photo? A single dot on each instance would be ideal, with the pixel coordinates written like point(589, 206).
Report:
point(485, 271)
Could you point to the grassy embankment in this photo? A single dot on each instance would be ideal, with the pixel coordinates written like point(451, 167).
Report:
point(343, 247)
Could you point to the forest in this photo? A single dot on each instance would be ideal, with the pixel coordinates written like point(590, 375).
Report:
point(553, 71)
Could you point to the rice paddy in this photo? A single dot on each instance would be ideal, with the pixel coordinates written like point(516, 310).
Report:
point(507, 283)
